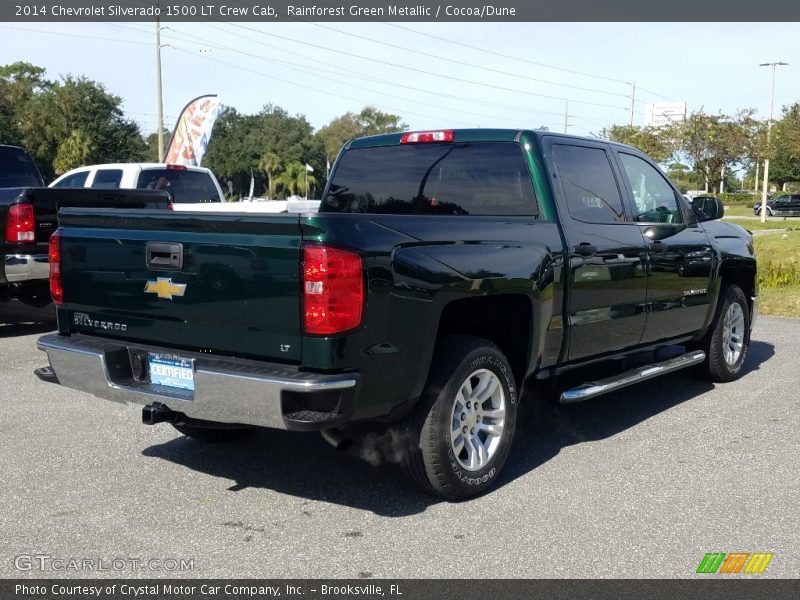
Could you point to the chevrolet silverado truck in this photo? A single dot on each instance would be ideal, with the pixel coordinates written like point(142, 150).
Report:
point(444, 271)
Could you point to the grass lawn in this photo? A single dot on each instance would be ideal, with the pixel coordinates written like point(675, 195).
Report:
point(780, 302)
point(779, 258)
point(755, 224)
point(739, 210)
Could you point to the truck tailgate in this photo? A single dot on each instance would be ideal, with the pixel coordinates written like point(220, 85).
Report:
point(224, 284)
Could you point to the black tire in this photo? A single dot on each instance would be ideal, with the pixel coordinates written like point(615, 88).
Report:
point(716, 367)
point(213, 433)
point(431, 462)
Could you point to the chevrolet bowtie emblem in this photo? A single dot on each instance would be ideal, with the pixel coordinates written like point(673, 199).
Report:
point(164, 287)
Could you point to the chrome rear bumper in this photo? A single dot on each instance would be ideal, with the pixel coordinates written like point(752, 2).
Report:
point(26, 267)
point(226, 390)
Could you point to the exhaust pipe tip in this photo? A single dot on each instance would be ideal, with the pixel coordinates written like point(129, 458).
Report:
point(335, 438)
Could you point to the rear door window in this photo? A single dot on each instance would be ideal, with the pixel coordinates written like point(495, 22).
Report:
point(590, 187)
point(107, 178)
point(184, 185)
point(437, 179)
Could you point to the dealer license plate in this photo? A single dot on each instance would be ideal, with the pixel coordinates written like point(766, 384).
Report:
point(172, 371)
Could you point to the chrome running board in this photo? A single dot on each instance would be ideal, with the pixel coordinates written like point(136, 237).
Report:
point(593, 389)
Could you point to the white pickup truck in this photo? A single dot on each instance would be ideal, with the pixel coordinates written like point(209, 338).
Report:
point(186, 185)
point(192, 188)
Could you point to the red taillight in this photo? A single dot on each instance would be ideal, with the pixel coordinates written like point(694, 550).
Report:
point(21, 224)
point(54, 256)
point(172, 167)
point(428, 137)
point(333, 290)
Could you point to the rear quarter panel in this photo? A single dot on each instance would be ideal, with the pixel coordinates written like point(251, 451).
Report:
point(414, 267)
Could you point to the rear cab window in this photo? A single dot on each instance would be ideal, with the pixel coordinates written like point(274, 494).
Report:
point(473, 178)
point(17, 169)
point(107, 179)
point(184, 185)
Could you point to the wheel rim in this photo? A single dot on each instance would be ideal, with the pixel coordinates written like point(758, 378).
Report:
point(733, 334)
point(478, 420)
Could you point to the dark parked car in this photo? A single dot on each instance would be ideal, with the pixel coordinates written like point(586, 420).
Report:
point(782, 206)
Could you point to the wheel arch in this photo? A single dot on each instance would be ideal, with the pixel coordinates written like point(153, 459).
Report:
point(506, 320)
point(742, 274)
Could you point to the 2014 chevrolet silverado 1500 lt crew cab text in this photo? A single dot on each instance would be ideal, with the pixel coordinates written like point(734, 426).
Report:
point(443, 272)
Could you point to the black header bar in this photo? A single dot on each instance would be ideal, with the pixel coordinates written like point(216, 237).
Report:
point(34, 11)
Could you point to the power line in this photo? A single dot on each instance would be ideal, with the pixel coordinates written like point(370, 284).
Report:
point(307, 68)
point(308, 87)
point(509, 56)
point(467, 64)
point(77, 35)
point(423, 71)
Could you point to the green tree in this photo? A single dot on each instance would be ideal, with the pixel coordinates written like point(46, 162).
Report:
point(656, 142)
point(370, 121)
point(293, 179)
point(785, 146)
point(683, 176)
point(53, 114)
point(270, 163)
point(19, 83)
point(151, 150)
point(714, 142)
point(240, 142)
point(76, 150)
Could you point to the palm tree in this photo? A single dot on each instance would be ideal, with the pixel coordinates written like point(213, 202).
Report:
point(293, 178)
point(269, 163)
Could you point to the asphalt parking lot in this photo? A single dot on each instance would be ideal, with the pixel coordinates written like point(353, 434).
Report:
point(641, 483)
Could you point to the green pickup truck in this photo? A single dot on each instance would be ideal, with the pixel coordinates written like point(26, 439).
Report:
point(445, 274)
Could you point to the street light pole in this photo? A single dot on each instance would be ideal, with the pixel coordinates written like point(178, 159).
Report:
point(769, 129)
point(160, 110)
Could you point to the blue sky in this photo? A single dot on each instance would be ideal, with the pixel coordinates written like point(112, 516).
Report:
point(432, 74)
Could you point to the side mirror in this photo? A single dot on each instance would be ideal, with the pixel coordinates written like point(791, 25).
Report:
point(708, 208)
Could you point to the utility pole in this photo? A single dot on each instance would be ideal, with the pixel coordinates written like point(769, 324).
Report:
point(769, 129)
point(160, 99)
point(566, 116)
point(758, 164)
point(633, 100)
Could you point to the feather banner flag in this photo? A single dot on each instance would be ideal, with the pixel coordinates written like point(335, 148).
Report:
point(189, 140)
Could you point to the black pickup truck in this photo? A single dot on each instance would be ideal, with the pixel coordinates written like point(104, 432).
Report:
point(26, 226)
point(444, 272)
point(29, 215)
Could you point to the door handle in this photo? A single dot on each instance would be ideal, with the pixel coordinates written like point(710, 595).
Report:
point(585, 249)
point(657, 247)
point(165, 256)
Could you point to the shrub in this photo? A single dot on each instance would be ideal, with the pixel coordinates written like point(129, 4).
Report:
point(739, 198)
point(777, 274)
